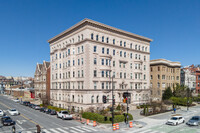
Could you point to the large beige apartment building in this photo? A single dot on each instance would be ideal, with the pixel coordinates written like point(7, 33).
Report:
point(86, 56)
point(163, 74)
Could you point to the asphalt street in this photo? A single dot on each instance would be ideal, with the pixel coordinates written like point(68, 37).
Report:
point(28, 119)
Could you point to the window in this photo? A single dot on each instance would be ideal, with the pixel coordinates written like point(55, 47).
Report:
point(73, 52)
point(92, 36)
point(107, 40)
point(107, 50)
point(78, 61)
point(95, 73)
point(113, 74)
point(158, 76)
point(82, 73)
point(151, 69)
point(95, 48)
point(131, 76)
point(68, 51)
point(131, 45)
point(102, 73)
point(120, 43)
point(124, 75)
point(124, 44)
point(113, 63)
point(82, 48)
point(82, 36)
point(158, 68)
point(56, 56)
point(163, 85)
point(124, 65)
point(60, 65)
point(144, 58)
point(102, 61)
point(73, 62)
point(92, 99)
point(78, 74)
point(146, 49)
point(102, 85)
point(135, 56)
point(135, 47)
point(78, 50)
point(136, 86)
point(60, 55)
point(102, 50)
point(158, 85)
point(144, 77)
point(144, 67)
point(95, 61)
point(97, 99)
point(125, 54)
point(120, 74)
point(163, 76)
point(142, 48)
point(102, 38)
point(131, 55)
point(177, 77)
point(82, 61)
point(135, 75)
point(113, 41)
point(139, 47)
point(136, 66)
point(113, 52)
point(139, 57)
point(106, 62)
point(120, 53)
point(95, 85)
point(131, 65)
point(97, 37)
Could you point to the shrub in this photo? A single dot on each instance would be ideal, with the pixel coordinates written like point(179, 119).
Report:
point(180, 101)
point(100, 118)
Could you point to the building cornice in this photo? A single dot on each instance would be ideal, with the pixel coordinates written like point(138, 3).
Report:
point(164, 62)
point(98, 25)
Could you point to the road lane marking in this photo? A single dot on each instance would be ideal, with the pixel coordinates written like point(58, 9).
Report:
point(28, 132)
point(21, 115)
point(54, 131)
point(83, 129)
point(62, 130)
point(77, 129)
point(73, 131)
point(20, 126)
point(46, 131)
point(90, 128)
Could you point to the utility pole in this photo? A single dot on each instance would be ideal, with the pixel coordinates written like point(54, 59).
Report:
point(112, 103)
point(188, 95)
point(127, 105)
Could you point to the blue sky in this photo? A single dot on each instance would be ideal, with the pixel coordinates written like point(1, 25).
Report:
point(26, 25)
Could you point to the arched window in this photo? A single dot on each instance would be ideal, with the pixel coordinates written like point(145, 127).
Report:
point(72, 98)
point(97, 99)
point(92, 99)
point(135, 47)
point(78, 99)
point(92, 36)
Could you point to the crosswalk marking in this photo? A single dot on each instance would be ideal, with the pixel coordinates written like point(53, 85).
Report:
point(77, 129)
point(62, 130)
point(46, 131)
point(83, 128)
point(54, 131)
point(28, 132)
point(90, 128)
point(73, 131)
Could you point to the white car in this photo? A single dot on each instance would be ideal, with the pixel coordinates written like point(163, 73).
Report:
point(1, 113)
point(13, 112)
point(64, 115)
point(16, 100)
point(175, 120)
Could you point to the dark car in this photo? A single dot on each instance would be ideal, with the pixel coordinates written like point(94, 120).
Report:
point(30, 105)
point(42, 109)
point(53, 112)
point(48, 111)
point(26, 103)
point(37, 107)
point(194, 121)
point(33, 106)
point(6, 120)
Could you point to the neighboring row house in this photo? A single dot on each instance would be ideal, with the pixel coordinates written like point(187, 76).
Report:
point(42, 81)
point(163, 74)
point(188, 78)
point(86, 56)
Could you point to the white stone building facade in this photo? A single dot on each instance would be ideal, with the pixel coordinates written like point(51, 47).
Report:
point(83, 59)
point(188, 78)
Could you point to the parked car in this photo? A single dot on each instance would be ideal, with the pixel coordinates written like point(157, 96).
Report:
point(42, 109)
point(26, 103)
point(64, 115)
point(33, 106)
point(37, 107)
point(194, 121)
point(48, 111)
point(1, 113)
point(13, 112)
point(16, 100)
point(30, 105)
point(175, 120)
point(45, 109)
point(53, 112)
point(6, 120)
